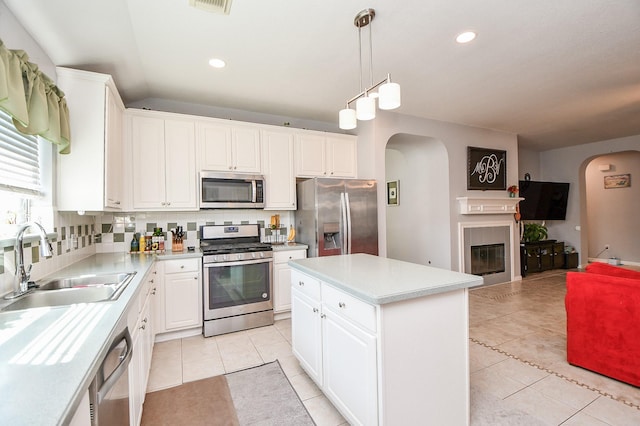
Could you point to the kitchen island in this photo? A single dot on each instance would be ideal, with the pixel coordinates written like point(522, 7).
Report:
point(385, 340)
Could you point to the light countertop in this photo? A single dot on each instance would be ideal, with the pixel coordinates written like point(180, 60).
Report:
point(379, 280)
point(49, 356)
point(289, 246)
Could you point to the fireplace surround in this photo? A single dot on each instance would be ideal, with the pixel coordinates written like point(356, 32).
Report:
point(497, 237)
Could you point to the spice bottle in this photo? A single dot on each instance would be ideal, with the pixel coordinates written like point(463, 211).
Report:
point(142, 244)
point(135, 245)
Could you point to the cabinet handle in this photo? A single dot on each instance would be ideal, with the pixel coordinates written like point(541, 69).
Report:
point(342, 305)
point(315, 309)
point(230, 167)
point(151, 280)
point(323, 316)
point(181, 266)
point(301, 283)
point(142, 327)
point(290, 257)
point(168, 203)
point(144, 320)
point(195, 278)
point(153, 292)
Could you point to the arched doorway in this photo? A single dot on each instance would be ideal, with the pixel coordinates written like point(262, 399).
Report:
point(418, 228)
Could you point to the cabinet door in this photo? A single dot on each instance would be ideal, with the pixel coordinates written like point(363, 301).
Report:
point(136, 391)
point(180, 164)
point(278, 162)
point(349, 366)
point(214, 144)
point(306, 335)
point(310, 155)
point(113, 169)
point(341, 156)
point(148, 162)
point(183, 306)
point(246, 150)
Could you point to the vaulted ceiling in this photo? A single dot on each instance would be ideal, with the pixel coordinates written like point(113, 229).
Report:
point(557, 73)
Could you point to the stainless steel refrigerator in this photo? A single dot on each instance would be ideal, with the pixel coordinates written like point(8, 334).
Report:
point(336, 216)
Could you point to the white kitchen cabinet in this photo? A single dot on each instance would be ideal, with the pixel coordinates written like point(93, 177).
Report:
point(333, 337)
point(140, 323)
point(179, 305)
point(228, 148)
point(282, 278)
point(90, 177)
point(279, 170)
point(349, 367)
point(326, 155)
point(306, 332)
point(163, 163)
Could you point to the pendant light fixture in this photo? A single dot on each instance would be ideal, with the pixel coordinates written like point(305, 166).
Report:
point(388, 93)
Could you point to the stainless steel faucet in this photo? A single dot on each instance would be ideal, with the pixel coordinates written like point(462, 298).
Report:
point(23, 275)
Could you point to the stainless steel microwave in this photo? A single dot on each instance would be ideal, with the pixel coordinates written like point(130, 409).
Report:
point(219, 190)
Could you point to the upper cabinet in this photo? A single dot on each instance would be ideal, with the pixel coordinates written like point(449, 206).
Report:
point(163, 162)
point(230, 148)
point(278, 170)
point(90, 177)
point(326, 155)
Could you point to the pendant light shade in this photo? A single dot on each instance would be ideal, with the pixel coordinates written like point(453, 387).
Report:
point(347, 119)
point(388, 93)
point(366, 108)
point(389, 96)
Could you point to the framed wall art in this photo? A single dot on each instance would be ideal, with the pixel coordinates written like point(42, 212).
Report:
point(393, 193)
point(486, 169)
point(617, 181)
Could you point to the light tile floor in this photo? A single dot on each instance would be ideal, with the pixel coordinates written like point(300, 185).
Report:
point(519, 375)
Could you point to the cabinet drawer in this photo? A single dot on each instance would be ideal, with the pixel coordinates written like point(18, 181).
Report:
point(285, 256)
point(306, 284)
point(181, 265)
point(348, 306)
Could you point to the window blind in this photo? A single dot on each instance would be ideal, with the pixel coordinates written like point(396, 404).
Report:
point(19, 159)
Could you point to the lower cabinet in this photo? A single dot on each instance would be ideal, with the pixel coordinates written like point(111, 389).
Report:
point(282, 278)
point(142, 337)
point(404, 362)
point(336, 348)
point(179, 302)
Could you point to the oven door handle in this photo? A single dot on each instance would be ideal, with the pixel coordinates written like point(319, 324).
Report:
point(240, 262)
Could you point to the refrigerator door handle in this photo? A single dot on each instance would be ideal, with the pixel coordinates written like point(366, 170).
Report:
point(344, 219)
point(348, 214)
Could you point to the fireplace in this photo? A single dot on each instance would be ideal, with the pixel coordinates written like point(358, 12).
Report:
point(487, 259)
point(487, 249)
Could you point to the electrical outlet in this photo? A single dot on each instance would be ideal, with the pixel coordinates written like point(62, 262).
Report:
point(606, 246)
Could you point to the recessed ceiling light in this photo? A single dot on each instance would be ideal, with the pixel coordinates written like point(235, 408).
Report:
point(465, 37)
point(217, 63)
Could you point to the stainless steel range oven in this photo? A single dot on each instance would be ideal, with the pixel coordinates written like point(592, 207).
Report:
point(236, 270)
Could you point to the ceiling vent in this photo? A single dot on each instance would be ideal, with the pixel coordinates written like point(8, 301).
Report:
point(215, 6)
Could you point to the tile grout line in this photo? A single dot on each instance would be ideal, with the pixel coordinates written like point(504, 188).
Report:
point(561, 376)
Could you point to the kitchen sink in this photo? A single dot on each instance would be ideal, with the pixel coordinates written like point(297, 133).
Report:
point(71, 290)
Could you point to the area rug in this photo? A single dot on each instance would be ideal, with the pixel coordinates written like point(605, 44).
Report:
point(263, 396)
point(256, 396)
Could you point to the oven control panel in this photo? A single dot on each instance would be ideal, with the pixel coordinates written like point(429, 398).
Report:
point(237, 257)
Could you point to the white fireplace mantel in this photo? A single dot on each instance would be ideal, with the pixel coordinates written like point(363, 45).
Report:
point(488, 205)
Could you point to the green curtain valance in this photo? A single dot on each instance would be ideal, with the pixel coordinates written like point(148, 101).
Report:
point(37, 105)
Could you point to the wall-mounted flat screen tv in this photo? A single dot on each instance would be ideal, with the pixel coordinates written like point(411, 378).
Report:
point(543, 200)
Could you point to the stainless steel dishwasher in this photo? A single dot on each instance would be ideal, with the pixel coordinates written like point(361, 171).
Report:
point(109, 391)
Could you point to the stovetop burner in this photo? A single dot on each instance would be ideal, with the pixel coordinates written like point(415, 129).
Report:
point(224, 239)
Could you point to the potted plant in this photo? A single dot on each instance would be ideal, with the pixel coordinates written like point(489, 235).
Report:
point(534, 232)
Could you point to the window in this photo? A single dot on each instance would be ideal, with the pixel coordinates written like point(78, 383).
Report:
point(21, 178)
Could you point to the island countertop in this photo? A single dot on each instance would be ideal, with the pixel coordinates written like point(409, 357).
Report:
point(379, 280)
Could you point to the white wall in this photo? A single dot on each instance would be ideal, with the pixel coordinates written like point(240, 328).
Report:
point(373, 137)
point(612, 213)
point(569, 165)
point(415, 225)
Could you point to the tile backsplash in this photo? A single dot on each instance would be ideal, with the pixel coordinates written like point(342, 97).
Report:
point(75, 240)
point(117, 230)
point(82, 236)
